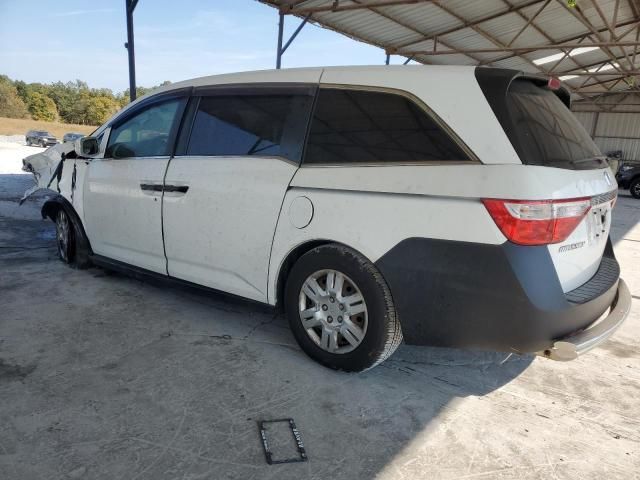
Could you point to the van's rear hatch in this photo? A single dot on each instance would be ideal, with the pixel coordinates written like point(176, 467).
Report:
point(544, 133)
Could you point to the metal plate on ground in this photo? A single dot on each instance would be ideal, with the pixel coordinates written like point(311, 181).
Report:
point(281, 436)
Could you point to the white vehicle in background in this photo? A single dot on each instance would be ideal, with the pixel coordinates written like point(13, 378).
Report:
point(452, 206)
point(72, 137)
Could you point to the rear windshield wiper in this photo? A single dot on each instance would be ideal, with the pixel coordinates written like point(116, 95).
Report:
point(598, 159)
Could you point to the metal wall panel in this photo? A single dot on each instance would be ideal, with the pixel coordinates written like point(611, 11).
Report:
point(630, 148)
point(587, 119)
point(614, 131)
point(614, 124)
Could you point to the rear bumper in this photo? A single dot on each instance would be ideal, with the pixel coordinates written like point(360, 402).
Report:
point(570, 347)
point(493, 297)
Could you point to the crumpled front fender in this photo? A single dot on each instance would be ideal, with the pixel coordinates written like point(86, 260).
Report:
point(46, 166)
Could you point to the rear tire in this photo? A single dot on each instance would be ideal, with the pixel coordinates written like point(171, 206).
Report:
point(340, 309)
point(634, 188)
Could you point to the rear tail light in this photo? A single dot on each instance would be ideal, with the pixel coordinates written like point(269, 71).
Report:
point(537, 222)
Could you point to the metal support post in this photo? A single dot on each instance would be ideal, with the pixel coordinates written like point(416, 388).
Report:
point(130, 7)
point(282, 49)
point(280, 32)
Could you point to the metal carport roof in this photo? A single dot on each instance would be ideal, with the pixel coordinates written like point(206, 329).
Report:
point(591, 45)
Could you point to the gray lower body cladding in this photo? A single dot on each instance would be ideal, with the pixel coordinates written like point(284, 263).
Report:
point(495, 297)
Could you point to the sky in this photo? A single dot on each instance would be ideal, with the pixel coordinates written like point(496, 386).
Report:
point(46, 41)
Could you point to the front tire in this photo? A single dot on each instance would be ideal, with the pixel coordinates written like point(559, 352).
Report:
point(65, 238)
point(634, 188)
point(340, 309)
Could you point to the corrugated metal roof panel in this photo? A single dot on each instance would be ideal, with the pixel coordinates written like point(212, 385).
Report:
point(428, 18)
point(368, 25)
point(462, 24)
point(506, 27)
point(473, 11)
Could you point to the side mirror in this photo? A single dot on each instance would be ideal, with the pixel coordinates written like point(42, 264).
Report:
point(86, 146)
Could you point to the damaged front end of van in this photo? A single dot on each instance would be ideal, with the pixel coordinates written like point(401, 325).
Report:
point(47, 168)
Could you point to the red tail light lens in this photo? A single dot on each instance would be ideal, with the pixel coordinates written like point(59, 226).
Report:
point(537, 222)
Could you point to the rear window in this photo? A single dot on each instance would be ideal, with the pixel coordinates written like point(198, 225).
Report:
point(540, 126)
point(547, 132)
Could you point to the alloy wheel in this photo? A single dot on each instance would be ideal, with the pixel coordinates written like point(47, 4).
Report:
point(333, 311)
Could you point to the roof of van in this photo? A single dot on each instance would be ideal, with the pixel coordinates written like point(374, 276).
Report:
point(349, 75)
point(313, 74)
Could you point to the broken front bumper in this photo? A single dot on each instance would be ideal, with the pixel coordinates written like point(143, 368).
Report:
point(570, 347)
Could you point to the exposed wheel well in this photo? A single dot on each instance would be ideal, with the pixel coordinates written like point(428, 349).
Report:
point(50, 210)
point(288, 263)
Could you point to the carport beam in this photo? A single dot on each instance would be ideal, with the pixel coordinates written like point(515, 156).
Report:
point(282, 49)
point(130, 7)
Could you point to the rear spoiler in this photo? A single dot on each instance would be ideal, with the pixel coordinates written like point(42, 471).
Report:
point(495, 83)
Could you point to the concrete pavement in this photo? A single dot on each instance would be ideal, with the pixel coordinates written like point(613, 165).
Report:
point(104, 377)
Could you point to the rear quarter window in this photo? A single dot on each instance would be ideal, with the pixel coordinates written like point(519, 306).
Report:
point(372, 127)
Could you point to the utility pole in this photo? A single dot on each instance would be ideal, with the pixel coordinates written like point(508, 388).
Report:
point(131, 6)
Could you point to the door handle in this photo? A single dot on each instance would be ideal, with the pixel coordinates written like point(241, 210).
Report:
point(176, 188)
point(151, 187)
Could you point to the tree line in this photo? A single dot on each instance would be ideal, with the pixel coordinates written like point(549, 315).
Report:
point(70, 102)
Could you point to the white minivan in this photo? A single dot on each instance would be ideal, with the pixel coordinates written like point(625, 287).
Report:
point(446, 206)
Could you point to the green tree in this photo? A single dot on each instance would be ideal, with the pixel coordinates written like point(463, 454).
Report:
point(73, 102)
point(11, 105)
point(42, 107)
point(97, 110)
point(63, 96)
point(123, 99)
point(21, 87)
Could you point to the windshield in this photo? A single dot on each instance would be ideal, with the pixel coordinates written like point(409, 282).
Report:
point(548, 133)
point(42, 132)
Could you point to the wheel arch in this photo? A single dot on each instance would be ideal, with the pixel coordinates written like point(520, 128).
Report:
point(50, 210)
point(292, 257)
point(289, 261)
